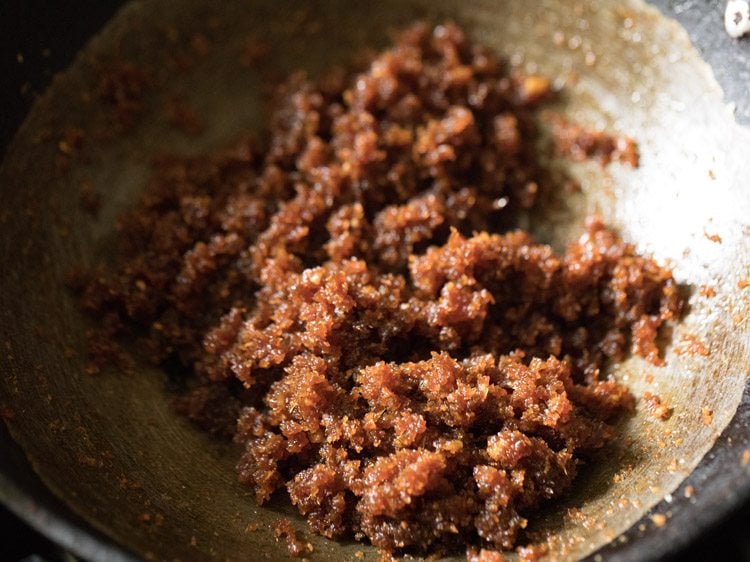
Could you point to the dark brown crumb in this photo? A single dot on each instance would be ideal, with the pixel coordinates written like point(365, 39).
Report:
point(283, 529)
point(411, 368)
point(7, 413)
point(71, 141)
point(89, 198)
point(579, 143)
point(254, 51)
point(122, 84)
point(201, 44)
point(183, 117)
point(103, 351)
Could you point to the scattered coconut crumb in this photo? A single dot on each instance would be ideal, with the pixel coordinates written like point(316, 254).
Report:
point(89, 198)
point(251, 527)
point(532, 552)
point(575, 514)
point(200, 44)
point(712, 237)
point(193, 541)
point(7, 413)
point(745, 459)
point(253, 52)
point(283, 528)
point(122, 85)
point(580, 144)
point(91, 462)
point(385, 556)
point(103, 352)
point(659, 519)
point(359, 554)
point(483, 555)
point(707, 414)
point(534, 89)
point(691, 345)
point(743, 283)
point(656, 407)
point(707, 291)
point(689, 492)
point(183, 117)
point(71, 140)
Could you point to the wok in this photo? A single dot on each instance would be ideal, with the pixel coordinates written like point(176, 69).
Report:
point(104, 466)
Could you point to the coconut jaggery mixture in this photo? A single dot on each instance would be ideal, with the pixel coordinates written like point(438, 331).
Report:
point(350, 300)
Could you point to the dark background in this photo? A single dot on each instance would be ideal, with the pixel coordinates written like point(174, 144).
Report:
point(40, 37)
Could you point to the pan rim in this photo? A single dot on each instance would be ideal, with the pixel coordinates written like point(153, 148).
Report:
point(59, 523)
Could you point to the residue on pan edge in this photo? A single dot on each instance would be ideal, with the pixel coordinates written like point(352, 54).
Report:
point(411, 374)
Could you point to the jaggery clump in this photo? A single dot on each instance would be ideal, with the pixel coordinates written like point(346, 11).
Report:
point(408, 365)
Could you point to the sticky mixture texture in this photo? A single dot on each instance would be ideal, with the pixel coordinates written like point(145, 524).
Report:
point(351, 301)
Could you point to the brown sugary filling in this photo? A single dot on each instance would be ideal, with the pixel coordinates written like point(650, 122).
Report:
point(350, 300)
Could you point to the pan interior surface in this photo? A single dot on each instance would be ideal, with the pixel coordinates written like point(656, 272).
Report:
point(113, 447)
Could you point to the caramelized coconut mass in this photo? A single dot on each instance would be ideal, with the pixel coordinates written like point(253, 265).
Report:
point(350, 301)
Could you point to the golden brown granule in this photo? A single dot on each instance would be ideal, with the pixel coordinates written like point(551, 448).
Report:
point(283, 529)
point(656, 407)
point(691, 345)
point(581, 144)
point(407, 365)
point(707, 291)
point(484, 555)
point(712, 237)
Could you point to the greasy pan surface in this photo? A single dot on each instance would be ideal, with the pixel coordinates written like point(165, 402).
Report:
point(113, 448)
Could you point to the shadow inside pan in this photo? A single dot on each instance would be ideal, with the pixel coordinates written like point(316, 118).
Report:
point(113, 448)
